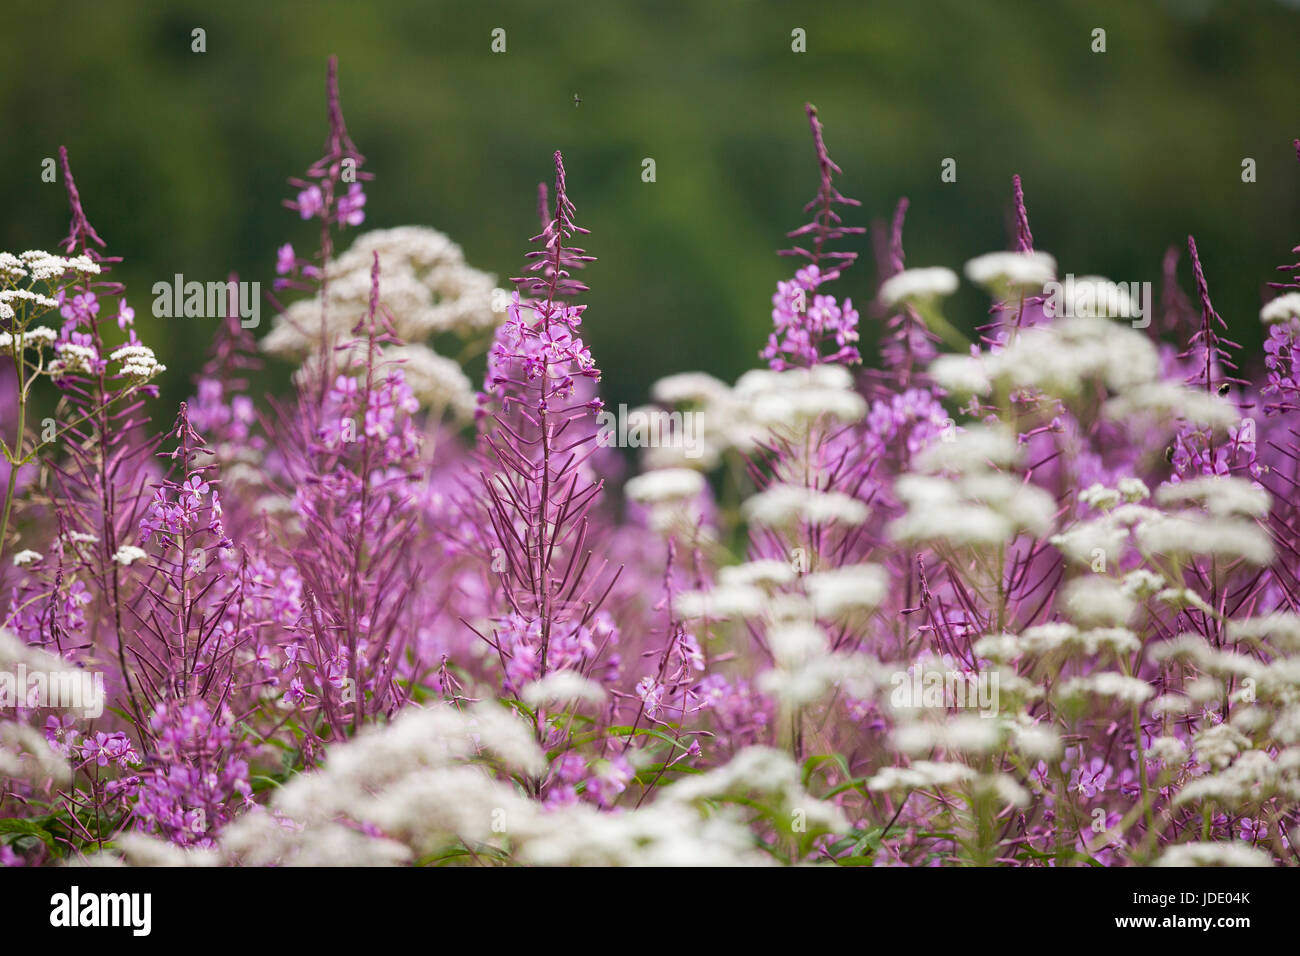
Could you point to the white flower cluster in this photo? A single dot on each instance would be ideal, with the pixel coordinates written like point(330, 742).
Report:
point(1222, 496)
point(1166, 401)
point(73, 358)
point(1251, 778)
point(1062, 359)
point(1280, 628)
point(918, 285)
point(806, 668)
point(1096, 297)
point(1057, 639)
point(672, 496)
point(1188, 534)
point(425, 784)
point(722, 421)
point(1282, 309)
point(794, 400)
point(1221, 522)
point(43, 302)
point(1213, 854)
point(38, 337)
point(781, 506)
point(978, 505)
point(128, 554)
point(561, 687)
point(762, 403)
point(24, 752)
point(844, 594)
point(795, 621)
point(834, 595)
point(1007, 272)
point(425, 284)
point(138, 362)
point(43, 266)
point(1125, 689)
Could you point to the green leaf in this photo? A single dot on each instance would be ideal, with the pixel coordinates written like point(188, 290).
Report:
point(27, 828)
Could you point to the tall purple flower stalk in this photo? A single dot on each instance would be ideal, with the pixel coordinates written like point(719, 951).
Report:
point(1281, 407)
point(538, 439)
point(99, 489)
point(1214, 371)
point(355, 494)
point(907, 344)
point(182, 649)
point(332, 193)
point(806, 320)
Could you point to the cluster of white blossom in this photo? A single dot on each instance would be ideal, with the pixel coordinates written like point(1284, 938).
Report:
point(426, 286)
point(440, 782)
point(25, 754)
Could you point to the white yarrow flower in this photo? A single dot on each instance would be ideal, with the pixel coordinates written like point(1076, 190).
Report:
point(1282, 309)
point(1232, 853)
point(782, 505)
point(560, 687)
point(1029, 271)
point(665, 485)
point(128, 554)
point(918, 284)
point(1220, 494)
point(841, 591)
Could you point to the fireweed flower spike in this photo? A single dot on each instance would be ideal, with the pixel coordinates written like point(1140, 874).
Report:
point(1024, 238)
point(331, 192)
point(538, 440)
point(1280, 396)
point(1209, 353)
point(356, 485)
point(178, 627)
point(806, 320)
point(99, 484)
point(909, 298)
point(1015, 279)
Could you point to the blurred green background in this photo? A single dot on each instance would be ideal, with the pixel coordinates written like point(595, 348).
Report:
point(181, 157)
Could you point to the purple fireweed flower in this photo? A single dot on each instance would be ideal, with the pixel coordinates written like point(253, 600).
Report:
point(351, 206)
point(285, 260)
point(311, 202)
point(195, 778)
point(61, 734)
point(321, 194)
point(609, 779)
point(81, 309)
point(538, 439)
point(352, 456)
point(103, 749)
point(805, 320)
